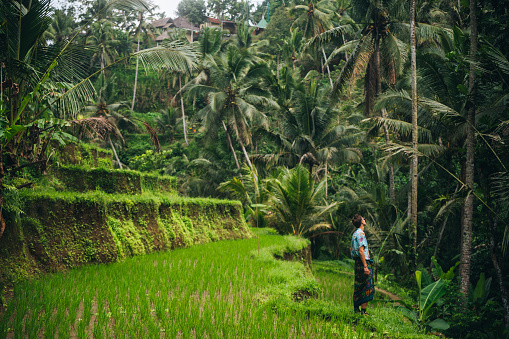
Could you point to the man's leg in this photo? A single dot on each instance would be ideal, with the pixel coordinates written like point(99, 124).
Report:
point(363, 308)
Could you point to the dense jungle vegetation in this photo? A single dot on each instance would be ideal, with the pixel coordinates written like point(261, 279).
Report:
point(393, 109)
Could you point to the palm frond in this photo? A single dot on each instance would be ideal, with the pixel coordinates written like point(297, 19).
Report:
point(172, 55)
point(97, 127)
point(499, 59)
point(355, 66)
point(153, 136)
point(347, 47)
point(403, 128)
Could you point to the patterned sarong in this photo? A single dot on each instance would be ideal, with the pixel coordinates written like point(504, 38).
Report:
point(364, 287)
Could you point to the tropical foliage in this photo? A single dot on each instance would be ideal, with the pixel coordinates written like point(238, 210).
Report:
point(307, 123)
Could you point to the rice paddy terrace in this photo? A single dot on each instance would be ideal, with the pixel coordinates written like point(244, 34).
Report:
point(225, 289)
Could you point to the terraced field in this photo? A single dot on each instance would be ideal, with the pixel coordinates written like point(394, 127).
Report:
point(226, 289)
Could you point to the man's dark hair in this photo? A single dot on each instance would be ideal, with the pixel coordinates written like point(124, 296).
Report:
point(357, 220)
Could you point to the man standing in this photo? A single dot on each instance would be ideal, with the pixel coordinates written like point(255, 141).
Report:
point(364, 287)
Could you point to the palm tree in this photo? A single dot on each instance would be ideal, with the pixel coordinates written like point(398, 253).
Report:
point(415, 137)
point(252, 191)
point(445, 111)
point(295, 200)
point(211, 41)
point(234, 95)
point(281, 85)
point(104, 42)
point(378, 53)
point(292, 46)
point(310, 131)
point(61, 28)
point(97, 9)
point(105, 106)
point(316, 19)
point(167, 122)
point(468, 207)
point(146, 28)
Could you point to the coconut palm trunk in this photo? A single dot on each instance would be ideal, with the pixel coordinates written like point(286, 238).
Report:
point(384, 115)
point(136, 73)
point(2, 220)
point(498, 270)
point(229, 139)
point(414, 161)
point(468, 206)
point(492, 226)
point(115, 152)
point(328, 69)
point(246, 156)
point(326, 178)
point(182, 108)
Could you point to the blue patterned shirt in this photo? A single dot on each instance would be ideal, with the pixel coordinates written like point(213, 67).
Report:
point(358, 240)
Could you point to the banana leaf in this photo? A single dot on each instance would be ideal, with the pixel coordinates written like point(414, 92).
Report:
point(430, 295)
point(438, 324)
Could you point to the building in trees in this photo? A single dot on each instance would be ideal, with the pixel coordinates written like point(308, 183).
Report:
point(211, 22)
point(227, 25)
point(260, 26)
point(170, 26)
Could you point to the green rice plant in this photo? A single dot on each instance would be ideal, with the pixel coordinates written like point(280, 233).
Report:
point(223, 289)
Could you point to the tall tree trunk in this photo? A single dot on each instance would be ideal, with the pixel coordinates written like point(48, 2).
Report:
point(326, 177)
point(344, 43)
point(468, 206)
point(246, 156)
point(2, 220)
point(115, 153)
point(498, 270)
point(136, 73)
point(229, 139)
point(277, 67)
point(182, 108)
point(384, 115)
point(415, 139)
point(328, 69)
point(492, 234)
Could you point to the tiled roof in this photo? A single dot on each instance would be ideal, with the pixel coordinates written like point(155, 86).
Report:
point(161, 22)
point(181, 22)
point(214, 21)
point(163, 36)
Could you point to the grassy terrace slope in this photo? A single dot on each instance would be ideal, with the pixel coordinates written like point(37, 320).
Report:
point(225, 289)
point(62, 230)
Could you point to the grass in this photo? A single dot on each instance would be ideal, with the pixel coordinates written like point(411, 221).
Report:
point(225, 289)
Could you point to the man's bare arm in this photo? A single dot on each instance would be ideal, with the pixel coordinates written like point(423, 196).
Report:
point(363, 259)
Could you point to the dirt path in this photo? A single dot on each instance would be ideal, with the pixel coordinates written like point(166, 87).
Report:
point(392, 296)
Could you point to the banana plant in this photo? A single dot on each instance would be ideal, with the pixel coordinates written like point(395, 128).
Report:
point(428, 296)
point(479, 294)
point(439, 273)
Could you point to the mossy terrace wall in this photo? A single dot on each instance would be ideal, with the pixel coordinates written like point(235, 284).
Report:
point(65, 230)
point(81, 179)
point(84, 155)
